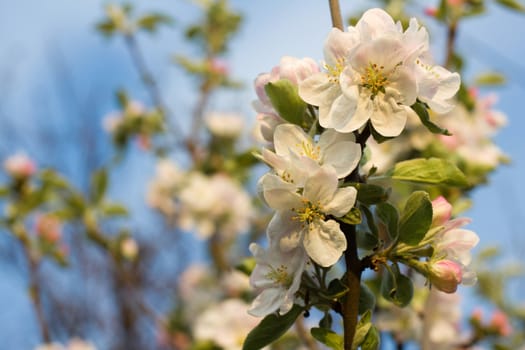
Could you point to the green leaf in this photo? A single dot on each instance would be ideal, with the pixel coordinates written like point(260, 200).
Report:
point(512, 5)
point(353, 217)
point(490, 78)
point(371, 194)
point(362, 329)
point(114, 209)
point(370, 220)
point(328, 338)
point(422, 113)
point(372, 339)
point(150, 22)
point(271, 328)
point(397, 287)
point(430, 171)
point(246, 266)
point(99, 183)
point(366, 240)
point(336, 289)
point(416, 218)
point(286, 101)
point(106, 28)
point(4, 191)
point(388, 214)
point(367, 299)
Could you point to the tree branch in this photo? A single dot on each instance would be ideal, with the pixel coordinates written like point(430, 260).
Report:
point(335, 13)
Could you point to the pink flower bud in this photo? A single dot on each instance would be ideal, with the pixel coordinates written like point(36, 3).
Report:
point(500, 322)
point(219, 66)
point(19, 166)
point(442, 210)
point(430, 11)
point(445, 275)
point(477, 315)
point(49, 228)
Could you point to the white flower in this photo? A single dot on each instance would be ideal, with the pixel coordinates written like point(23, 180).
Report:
point(226, 125)
point(19, 166)
point(278, 276)
point(335, 149)
point(161, 190)
point(323, 89)
point(301, 217)
point(226, 324)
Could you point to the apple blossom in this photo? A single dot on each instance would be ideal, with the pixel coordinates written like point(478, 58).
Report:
point(441, 321)
point(49, 228)
point(225, 125)
point(277, 277)
point(19, 166)
point(445, 275)
point(301, 217)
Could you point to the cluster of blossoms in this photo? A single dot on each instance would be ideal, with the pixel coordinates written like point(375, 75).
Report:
point(375, 71)
point(207, 204)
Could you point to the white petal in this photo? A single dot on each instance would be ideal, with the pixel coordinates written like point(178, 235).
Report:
point(284, 232)
point(375, 22)
point(341, 112)
point(321, 186)
point(362, 114)
point(324, 242)
point(289, 137)
point(267, 302)
point(342, 202)
point(404, 82)
point(343, 156)
point(388, 118)
point(338, 44)
point(318, 90)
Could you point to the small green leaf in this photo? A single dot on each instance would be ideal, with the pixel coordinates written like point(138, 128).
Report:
point(371, 194)
point(416, 218)
point(512, 4)
point(363, 326)
point(430, 171)
point(490, 78)
point(367, 299)
point(388, 214)
point(366, 240)
point(327, 337)
point(99, 183)
point(369, 220)
point(271, 328)
point(114, 209)
point(353, 217)
point(372, 339)
point(397, 287)
point(246, 266)
point(106, 28)
point(336, 289)
point(286, 101)
point(150, 22)
point(422, 113)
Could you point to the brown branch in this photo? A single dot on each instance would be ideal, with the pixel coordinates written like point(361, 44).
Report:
point(335, 14)
point(451, 42)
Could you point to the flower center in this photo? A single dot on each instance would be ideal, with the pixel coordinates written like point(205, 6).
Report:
point(374, 79)
point(309, 150)
point(334, 71)
point(308, 213)
point(280, 275)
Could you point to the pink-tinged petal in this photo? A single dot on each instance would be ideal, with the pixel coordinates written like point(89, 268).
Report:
point(318, 90)
point(374, 23)
point(343, 157)
point(388, 118)
point(387, 52)
point(446, 275)
point(324, 242)
point(290, 137)
point(441, 211)
point(321, 186)
point(260, 83)
point(437, 87)
point(342, 202)
point(338, 44)
point(278, 194)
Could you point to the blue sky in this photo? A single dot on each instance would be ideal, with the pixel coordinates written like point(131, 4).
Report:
point(41, 38)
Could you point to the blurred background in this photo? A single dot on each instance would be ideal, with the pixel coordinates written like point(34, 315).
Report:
point(58, 78)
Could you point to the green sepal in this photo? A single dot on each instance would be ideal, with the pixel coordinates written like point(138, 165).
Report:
point(271, 328)
point(421, 110)
point(433, 171)
point(416, 218)
point(286, 101)
point(327, 337)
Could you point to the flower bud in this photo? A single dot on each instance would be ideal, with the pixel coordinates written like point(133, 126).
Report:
point(129, 248)
point(500, 322)
point(48, 227)
point(225, 125)
point(445, 275)
point(19, 166)
point(442, 210)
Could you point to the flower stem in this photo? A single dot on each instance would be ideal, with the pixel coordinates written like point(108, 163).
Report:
point(451, 42)
point(335, 13)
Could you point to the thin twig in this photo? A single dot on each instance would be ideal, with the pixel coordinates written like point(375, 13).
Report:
point(451, 43)
point(335, 13)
